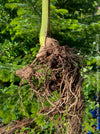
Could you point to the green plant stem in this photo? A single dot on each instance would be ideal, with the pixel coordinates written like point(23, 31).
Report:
point(45, 24)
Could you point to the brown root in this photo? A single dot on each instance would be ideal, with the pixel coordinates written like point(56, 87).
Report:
point(17, 125)
point(58, 69)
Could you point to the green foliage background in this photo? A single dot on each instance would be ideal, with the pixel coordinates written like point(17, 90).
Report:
point(73, 22)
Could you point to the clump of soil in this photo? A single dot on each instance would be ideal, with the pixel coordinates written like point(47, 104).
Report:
point(57, 71)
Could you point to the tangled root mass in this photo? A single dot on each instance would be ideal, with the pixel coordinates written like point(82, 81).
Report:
point(57, 70)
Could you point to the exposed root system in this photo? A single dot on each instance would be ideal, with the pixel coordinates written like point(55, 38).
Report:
point(17, 125)
point(57, 72)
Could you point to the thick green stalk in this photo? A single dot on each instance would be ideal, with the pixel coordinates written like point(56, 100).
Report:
point(45, 24)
